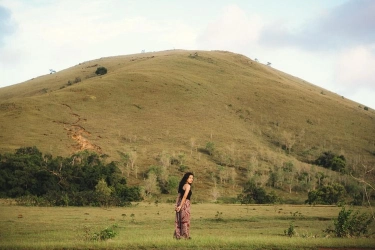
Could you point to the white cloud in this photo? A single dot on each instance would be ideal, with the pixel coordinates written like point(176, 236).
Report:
point(233, 29)
point(64, 33)
point(354, 76)
point(354, 69)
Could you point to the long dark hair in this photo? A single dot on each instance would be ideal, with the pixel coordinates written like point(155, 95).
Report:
point(183, 181)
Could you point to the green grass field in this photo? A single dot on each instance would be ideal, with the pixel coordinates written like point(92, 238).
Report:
point(151, 226)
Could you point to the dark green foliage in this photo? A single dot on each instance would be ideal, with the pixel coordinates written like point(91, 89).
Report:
point(44, 180)
point(290, 231)
point(253, 194)
point(172, 185)
point(329, 194)
point(357, 199)
point(107, 233)
point(349, 224)
point(101, 71)
point(331, 161)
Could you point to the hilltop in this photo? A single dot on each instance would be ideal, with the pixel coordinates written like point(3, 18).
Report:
point(219, 114)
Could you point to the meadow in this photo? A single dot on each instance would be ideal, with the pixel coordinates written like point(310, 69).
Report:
point(150, 226)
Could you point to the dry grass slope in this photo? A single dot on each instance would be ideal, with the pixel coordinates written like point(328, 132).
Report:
point(177, 101)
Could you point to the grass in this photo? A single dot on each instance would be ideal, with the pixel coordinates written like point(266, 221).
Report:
point(150, 226)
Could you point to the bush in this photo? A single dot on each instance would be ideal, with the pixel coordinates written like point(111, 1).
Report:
point(105, 234)
point(210, 148)
point(331, 161)
point(101, 71)
point(77, 80)
point(326, 195)
point(349, 224)
point(290, 231)
point(254, 194)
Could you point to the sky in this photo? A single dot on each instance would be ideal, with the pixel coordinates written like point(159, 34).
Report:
point(330, 44)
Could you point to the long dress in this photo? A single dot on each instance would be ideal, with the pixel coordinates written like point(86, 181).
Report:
point(182, 220)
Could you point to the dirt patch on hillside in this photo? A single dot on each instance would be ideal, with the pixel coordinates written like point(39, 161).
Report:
point(79, 134)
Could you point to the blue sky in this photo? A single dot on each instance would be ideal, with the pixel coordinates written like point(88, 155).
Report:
point(328, 43)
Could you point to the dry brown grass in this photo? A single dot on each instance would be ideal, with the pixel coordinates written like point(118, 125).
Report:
point(155, 102)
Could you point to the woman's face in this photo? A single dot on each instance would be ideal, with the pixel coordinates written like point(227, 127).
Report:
point(190, 179)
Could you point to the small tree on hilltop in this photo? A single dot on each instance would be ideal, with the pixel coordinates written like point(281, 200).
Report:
point(101, 71)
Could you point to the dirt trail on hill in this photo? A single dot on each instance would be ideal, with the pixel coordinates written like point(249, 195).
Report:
point(78, 133)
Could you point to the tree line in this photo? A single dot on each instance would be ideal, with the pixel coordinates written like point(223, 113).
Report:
point(83, 179)
point(86, 179)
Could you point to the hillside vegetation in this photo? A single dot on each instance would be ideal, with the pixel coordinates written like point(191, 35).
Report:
point(221, 115)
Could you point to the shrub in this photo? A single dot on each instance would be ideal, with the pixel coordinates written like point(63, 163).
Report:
point(254, 194)
point(349, 224)
point(172, 185)
point(365, 108)
point(105, 234)
point(290, 231)
point(77, 80)
point(210, 148)
point(329, 194)
point(331, 161)
point(101, 71)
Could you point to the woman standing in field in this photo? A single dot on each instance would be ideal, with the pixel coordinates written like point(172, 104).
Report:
point(182, 208)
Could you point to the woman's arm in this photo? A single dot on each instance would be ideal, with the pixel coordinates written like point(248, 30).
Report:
point(187, 189)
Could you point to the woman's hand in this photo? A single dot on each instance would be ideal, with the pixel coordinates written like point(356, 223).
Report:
point(178, 209)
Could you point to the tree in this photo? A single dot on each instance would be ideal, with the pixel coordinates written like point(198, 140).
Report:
point(329, 194)
point(101, 71)
point(104, 192)
point(172, 186)
point(124, 164)
point(132, 158)
point(210, 147)
point(80, 180)
point(289, 174)
point(254, 194)
point(151, 184)
point(289, 140)
point(349, 224)
point(331, 161)
point(274, 178)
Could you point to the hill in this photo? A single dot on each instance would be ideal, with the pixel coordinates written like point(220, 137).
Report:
point(222, 115)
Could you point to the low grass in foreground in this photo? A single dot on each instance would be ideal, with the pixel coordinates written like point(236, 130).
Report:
point(149, 225)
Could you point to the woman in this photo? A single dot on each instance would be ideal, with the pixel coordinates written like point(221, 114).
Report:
point(182, 208)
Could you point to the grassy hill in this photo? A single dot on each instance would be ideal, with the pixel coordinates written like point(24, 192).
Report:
point(170, 104)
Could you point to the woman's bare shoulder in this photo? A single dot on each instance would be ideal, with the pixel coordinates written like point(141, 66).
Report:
point(186, 187)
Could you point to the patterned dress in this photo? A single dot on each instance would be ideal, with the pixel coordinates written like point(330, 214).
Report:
point(182, 220)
